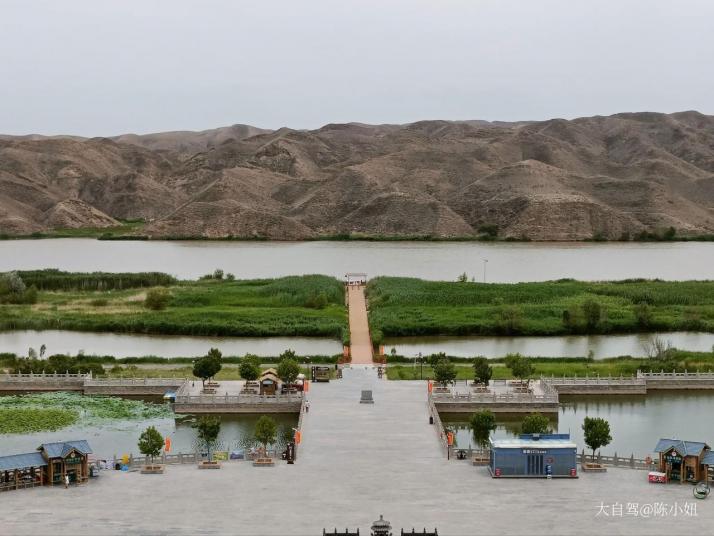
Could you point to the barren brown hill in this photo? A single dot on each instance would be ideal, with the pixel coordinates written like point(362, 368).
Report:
point(547, 180)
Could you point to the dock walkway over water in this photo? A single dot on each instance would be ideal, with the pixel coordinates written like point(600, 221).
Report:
point(360, 339)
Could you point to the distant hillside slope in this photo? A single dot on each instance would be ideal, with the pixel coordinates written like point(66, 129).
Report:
point(547, 180)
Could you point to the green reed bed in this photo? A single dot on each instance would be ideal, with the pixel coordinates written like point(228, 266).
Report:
point(409, 307)
point(310, 305)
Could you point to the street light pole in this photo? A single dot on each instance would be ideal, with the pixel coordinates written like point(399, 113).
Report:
point(421, 367)
point(485, 261)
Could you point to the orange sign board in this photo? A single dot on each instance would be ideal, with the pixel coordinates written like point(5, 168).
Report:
point(450, 438)
point(167, 444)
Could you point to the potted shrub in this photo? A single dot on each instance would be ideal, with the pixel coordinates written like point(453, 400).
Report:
point(207, 430)
point(597, 434)
point(150, 444)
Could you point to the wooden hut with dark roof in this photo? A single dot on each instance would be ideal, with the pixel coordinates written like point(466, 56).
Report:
point(49, 465)
point(684, 461)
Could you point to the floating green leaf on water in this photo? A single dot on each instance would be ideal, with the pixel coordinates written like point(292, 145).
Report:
point(53, 411)
point(17, 420)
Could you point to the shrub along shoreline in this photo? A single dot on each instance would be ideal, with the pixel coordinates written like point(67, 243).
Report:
point(411, 307)
point(402, 368)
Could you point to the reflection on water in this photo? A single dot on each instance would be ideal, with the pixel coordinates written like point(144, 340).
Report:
point(569, 346)
point(135, 345)
point(507, 262)
point(636, 422)
point(121, 437)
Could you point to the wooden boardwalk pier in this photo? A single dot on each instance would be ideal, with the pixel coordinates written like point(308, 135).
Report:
point(361, 349)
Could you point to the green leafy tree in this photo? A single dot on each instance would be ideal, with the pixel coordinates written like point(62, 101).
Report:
point(433, 359)
point(520, 366)
point(444, 372)
point(643, 314)
point(592, 311)
point(11, 283)
point(288, 370)
point(482, 370)
point(206, 367)
point(482, 424)
point(266, 431)
point(463, 278)
point(207, 429)
point(150, 443)
point(509, 319)
point(316, 300)
point(488, 230)
point(218, 274)
point(597, 433)
point(289, 353)
point(249, 367)
point(214, 353)
point(536, 423)
point(157, 299)
point(571, 319)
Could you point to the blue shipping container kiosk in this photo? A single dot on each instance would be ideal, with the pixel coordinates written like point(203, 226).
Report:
point(534, 456)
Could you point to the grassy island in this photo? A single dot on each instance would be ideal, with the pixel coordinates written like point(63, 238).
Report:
point(409, 307)
point(217, 305)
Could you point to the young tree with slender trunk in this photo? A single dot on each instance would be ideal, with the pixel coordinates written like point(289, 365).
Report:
point(597, 433)
point(150, 443)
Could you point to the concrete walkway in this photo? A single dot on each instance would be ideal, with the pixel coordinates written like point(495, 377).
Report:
point(356, 461)
point(360, 342)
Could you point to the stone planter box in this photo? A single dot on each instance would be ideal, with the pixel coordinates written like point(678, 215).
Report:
point(209, 465)
point(153, 469)
point(263, 462)
point(480, 460)
point(590, 467)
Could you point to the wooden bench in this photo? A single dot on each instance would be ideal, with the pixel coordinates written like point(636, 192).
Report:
point(263, 462)
point(208, 391)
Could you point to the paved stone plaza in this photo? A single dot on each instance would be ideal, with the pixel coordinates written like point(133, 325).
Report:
point(356, 461)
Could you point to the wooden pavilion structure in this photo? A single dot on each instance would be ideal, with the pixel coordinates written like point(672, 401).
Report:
point(269, 382)
point(684, 461)
point(49, 465)
point(355, 278)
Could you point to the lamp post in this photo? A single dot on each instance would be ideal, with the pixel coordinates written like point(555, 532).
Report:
point(485, 261)
point(421, 367)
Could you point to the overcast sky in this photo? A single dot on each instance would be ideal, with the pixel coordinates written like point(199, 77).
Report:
point(103, 67)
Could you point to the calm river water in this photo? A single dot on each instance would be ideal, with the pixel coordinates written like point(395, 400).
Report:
point(571, 346)
point(636, 422)
point(134, 345)
point(507, 262)
point(120, 437)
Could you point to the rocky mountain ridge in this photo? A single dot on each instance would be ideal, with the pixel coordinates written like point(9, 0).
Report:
point(547, 180)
